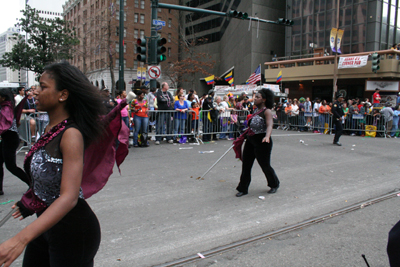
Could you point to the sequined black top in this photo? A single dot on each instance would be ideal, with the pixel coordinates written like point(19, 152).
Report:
point(46, 171)
point(257, 124)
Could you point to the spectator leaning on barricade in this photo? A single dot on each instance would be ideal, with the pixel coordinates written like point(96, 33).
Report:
point(151, 97)
point(139, 108)
point(224, 115)
point(295, 114)
point(181, 107)
point(288, 117)
point(387, 113)
point(30, 108)
point(308, 109)
point(124, 111)
point(324, 116)
point(247, 105)
point(177, 93)
point(395, 126)
point(302, 119)
point(165, 104)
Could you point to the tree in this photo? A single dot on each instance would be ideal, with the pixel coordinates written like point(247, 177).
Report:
point(48, 41)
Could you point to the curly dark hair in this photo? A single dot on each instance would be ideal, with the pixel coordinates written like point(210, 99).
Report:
point(8, 95)
point(268, 95)
point(84, 103)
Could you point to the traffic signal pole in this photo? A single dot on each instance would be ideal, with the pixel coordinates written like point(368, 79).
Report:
point(153, 44)
point(121, 81)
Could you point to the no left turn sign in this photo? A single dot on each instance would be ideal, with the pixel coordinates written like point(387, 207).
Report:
point(154, 72)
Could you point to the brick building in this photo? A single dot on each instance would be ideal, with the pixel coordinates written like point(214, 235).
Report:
point(96, 25)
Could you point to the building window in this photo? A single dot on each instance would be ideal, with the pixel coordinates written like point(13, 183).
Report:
point(117, 17)
point(141, 33)
point(135, 18)
point(169, 51)
point(169, 23)
point(117, 47)
point(142, 4)
point(135, 64)
point(137, 3)
point(142, 18)
point(117, 63)
point(135, 34)
point(169, 37)
point(117, 32)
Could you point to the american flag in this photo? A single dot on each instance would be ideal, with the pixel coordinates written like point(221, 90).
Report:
point(255, 77)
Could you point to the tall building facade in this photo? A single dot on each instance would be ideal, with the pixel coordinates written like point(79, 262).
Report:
point(7, 41)
point(234, 44)
point(368, 25)
point(96, 24)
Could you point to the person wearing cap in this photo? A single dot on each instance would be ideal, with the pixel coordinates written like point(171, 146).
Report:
point(398, 99)
point(388, 116)
point(338, 114)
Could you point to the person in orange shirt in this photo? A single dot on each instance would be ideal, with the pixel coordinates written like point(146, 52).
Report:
point(195, 118)
point(324, 113)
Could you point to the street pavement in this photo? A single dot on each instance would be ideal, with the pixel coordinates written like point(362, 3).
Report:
point(157, 211)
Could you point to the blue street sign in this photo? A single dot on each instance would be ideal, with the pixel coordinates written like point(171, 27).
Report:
point(158, 22)
point(158, 27)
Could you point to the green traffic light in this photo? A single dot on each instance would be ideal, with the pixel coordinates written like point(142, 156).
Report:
point(245, 15)
point(161, 58)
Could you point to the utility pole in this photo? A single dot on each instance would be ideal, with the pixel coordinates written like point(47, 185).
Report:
point(153, 41)
point(121, 81)
point(335, 70)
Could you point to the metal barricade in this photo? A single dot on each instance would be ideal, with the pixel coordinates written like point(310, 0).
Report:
point(224, 125)
point(36, 121)
point(173, 125)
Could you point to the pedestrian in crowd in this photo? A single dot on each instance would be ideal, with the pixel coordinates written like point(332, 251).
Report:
point(195, 118)
point(338, 116)
point(295, 113)
point(9, 119)
point(393, 245)
point(151, 98)
point(259, 143)
point(165, 102)
point(204, 96)
point(398, 99)
point(288, 116)
point(395, 127)
point(181, 107)
point(353, 112)
point(124, 111)
point(278, 111)
point(387, 113)
point(108, 103)
point(21, 94)
point(66, 232)
point(366, 100)
point(210, 117)
point(233, 124)
point(247, 105)
point(141, 119)
point(302, 109)
point(316, 107)
point(376, 98)
point(178, 92)
point(196, 97)
point(30, 108)
point(239, 103)
point(308, 109)
point(324, 115)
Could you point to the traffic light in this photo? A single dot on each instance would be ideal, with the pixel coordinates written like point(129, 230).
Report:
point(238, 14)
point(141, 49)
point(286, 22)
point(375, 62)
point(161, 49)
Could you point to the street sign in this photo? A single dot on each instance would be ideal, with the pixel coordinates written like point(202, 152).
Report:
point(158, 27)
point(154, 72)
point(158, 22)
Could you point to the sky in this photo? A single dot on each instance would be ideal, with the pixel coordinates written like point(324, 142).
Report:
point(11, 11)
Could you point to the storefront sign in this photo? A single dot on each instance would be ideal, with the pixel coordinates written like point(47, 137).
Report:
point(382, 85)
point(352, 62)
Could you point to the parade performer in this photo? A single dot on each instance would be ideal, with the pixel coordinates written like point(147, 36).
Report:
point(258, 145)
point(9, 120)
point(71, 161)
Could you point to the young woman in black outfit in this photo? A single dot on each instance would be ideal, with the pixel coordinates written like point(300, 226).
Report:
point(66, 232)
point(259, 143)
point(9, 138)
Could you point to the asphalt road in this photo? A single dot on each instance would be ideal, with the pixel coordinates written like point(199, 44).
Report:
point(157, 211)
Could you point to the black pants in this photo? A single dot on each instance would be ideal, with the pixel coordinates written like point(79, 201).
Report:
point(8, 148)
point(73, 241)
point(254, 149)
point(393, 246)
point(339, 129)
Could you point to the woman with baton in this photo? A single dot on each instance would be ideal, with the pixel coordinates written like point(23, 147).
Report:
point(259, 143)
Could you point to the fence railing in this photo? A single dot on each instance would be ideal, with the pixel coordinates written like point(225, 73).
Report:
point(31, 128)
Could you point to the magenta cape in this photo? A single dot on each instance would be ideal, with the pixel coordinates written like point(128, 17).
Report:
point(7, 114)
point(100, 156)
